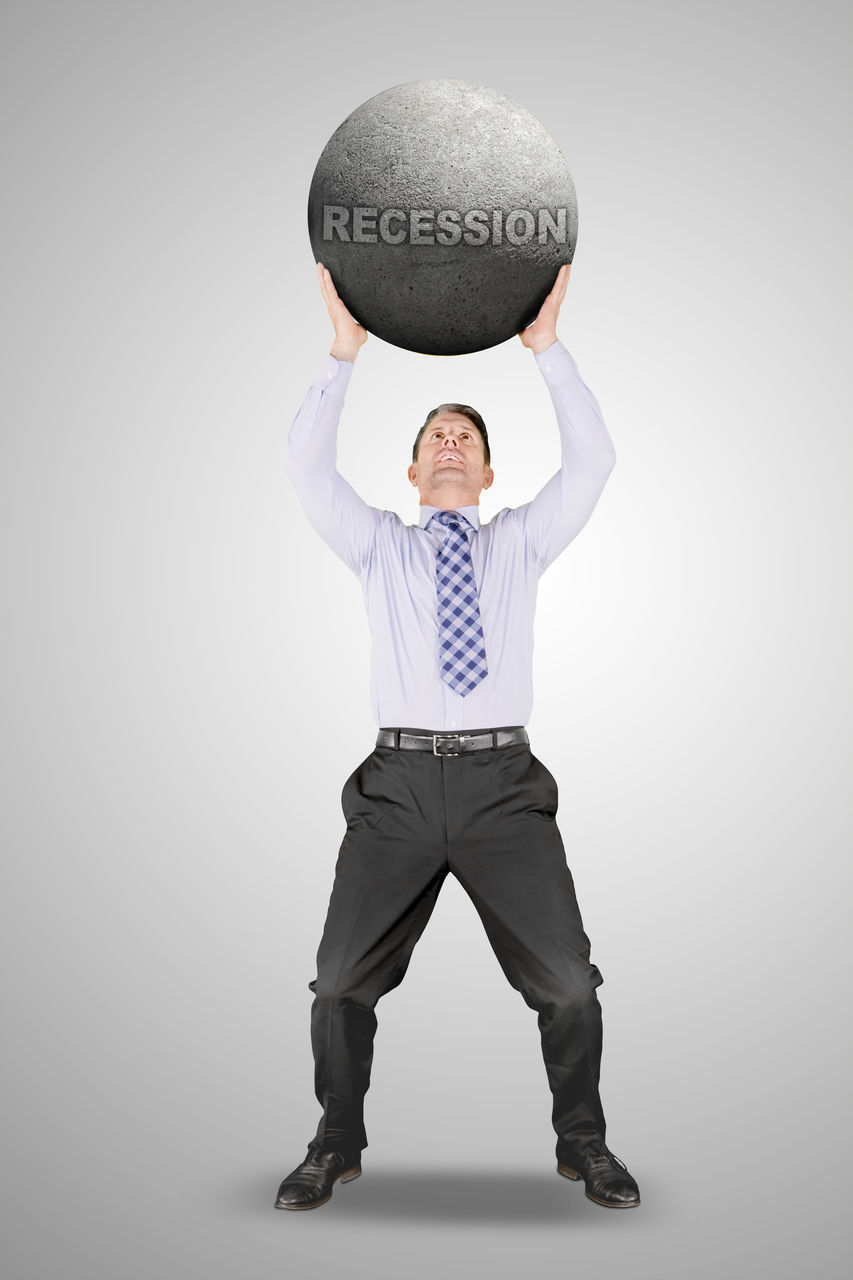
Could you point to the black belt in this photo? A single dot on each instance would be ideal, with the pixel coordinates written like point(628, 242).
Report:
point(452, 744)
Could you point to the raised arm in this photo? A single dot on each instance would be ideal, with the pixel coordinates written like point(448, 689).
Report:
point(561, 509)
point(336, 511)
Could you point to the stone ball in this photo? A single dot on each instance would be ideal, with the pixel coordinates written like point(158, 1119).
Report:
point(443, 211)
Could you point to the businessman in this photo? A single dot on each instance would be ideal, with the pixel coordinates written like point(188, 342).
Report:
point(451, 786)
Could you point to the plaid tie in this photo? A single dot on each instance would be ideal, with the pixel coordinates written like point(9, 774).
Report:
point(461, 650)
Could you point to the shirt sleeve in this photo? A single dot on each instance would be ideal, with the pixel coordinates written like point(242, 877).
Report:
point(561, 509)
point(340, 516)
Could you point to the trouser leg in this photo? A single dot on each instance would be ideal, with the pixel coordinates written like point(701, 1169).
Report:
point(387, 878)
point(512, 865)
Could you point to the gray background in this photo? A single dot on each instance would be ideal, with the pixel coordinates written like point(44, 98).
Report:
point(175, 636)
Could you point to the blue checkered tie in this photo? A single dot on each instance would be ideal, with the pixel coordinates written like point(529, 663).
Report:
point(461, 650)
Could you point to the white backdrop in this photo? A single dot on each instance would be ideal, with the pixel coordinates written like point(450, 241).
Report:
point(176, 638)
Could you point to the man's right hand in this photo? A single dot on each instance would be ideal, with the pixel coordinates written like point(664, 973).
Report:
point(350, 336)
point(540, 335)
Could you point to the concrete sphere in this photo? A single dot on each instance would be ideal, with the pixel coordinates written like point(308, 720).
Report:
point(443, 211)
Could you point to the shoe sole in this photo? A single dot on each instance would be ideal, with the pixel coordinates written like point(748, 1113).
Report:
point(315, 1204)
point(574, 1176)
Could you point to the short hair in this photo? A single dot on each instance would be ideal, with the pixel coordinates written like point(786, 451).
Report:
point(467, 412)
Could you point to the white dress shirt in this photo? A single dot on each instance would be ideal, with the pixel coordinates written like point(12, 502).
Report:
point(395, 562)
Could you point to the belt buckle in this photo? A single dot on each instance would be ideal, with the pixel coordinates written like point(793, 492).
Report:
point(447, 737)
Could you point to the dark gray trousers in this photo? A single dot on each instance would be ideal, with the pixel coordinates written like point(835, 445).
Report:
point(489, 819)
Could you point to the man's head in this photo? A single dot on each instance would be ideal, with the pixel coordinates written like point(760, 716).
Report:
point(450, 458)
point(465, 411)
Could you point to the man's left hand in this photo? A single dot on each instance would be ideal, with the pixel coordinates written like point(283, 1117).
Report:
point(542, 334)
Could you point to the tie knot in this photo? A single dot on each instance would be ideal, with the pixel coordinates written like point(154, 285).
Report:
point(450, 520)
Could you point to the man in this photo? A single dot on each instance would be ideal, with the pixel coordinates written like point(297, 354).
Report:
point(452, 785)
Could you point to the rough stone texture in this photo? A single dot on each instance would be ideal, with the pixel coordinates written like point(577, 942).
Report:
point(442, 144)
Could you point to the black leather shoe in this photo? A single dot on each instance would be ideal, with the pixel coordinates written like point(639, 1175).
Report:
point(607, 1180)
point(311, 1182)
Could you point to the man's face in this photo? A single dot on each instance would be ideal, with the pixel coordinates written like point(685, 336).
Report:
point(451, 462)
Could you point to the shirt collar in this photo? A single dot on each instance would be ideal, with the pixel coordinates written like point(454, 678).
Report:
point(471, 514)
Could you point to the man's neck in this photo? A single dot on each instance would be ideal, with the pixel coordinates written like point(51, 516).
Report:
point(447, 500)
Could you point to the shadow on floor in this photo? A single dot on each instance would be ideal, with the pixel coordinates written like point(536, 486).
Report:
point(457, 1195)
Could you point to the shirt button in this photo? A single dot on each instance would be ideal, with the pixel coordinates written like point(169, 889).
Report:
point(329, 375)
point(547, 368)
point(453, 724)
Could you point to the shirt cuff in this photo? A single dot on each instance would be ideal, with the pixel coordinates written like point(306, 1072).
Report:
point(334, 374)
point(555, 362)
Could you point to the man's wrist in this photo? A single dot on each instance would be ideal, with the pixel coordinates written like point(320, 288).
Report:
point(344, 352)
point(541, 345)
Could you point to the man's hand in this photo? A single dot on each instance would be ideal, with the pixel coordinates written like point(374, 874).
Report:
point(350, 336)
point(540, 335)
